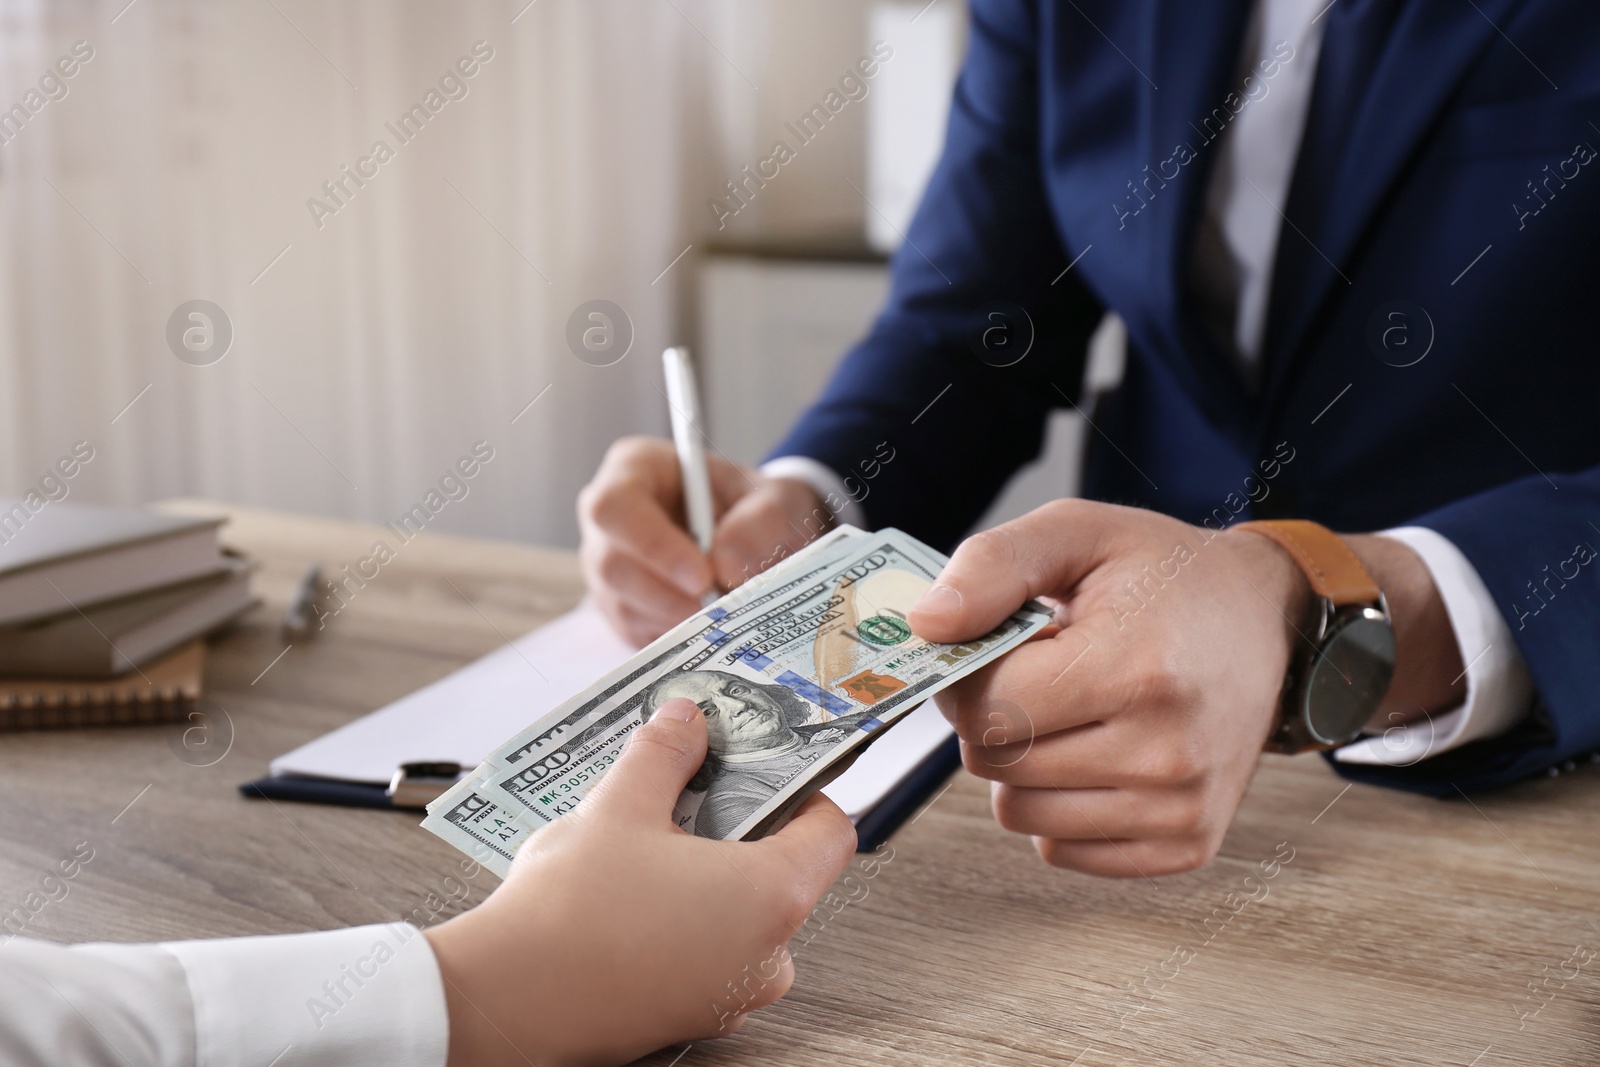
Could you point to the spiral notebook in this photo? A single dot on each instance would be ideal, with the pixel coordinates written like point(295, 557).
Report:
point(162, 691)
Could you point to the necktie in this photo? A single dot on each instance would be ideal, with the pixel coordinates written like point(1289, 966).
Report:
point(1351, 48)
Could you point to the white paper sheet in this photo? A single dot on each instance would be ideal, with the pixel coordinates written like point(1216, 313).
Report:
point(463, 716)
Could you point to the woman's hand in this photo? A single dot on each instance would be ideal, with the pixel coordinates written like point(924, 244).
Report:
point(617, 933)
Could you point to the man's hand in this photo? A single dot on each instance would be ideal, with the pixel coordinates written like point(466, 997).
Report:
point(1123, 742)
point(644, 570)
point(617, 933)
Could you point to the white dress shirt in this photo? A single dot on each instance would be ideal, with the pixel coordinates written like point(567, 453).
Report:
point(1248, 188)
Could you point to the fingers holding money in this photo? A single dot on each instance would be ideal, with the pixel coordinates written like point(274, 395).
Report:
point(661, 757)
point(616, 933)
point(764, 711)
point(811, 852)
point(794, 866)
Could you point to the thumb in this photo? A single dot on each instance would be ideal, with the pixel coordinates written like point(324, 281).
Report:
point(994, 572)
point(661, 757)
point(813, 848)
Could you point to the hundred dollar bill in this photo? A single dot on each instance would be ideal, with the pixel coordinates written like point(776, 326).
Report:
point(797, 671)
point(489, 833)
point(480, 828)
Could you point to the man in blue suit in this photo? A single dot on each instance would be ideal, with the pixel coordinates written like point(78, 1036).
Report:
point(1353, 244)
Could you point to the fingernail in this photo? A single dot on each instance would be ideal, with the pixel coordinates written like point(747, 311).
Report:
point(939, 600)
point(681, 708)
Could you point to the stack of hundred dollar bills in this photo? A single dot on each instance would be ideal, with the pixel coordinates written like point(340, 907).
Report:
point(797, 671)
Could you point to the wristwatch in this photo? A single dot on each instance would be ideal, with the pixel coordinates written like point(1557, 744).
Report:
point(1336, 682)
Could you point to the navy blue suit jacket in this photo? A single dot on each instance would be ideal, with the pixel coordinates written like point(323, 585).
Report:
point(1467, 200)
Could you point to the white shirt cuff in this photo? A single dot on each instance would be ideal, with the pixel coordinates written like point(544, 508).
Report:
point(370, 996)
point(824, 481)
point(93, 1006)
point(1499, 689)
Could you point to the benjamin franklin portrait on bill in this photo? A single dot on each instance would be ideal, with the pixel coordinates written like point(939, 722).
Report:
point(758, 741)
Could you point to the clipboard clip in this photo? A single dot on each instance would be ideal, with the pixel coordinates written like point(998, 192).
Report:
point(416, 785)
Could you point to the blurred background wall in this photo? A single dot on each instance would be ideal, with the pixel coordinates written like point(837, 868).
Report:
point(377, 337)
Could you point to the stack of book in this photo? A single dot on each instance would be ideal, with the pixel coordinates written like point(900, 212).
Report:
point(103, 612)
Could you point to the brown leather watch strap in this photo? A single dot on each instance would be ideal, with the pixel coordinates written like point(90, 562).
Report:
point(1333, 570)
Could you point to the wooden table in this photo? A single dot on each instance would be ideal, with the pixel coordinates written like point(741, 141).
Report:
point(1403, 930)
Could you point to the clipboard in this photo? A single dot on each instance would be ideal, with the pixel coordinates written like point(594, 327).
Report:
point(875, 826)
point(416, 748)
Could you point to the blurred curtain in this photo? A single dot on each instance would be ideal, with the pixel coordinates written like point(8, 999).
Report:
point(374, 345)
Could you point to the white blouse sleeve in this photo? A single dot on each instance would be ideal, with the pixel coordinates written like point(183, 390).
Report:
point(368, 995)
point(93, 1006)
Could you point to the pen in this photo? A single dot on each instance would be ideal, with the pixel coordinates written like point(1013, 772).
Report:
point(683, 399)
point(297, 620)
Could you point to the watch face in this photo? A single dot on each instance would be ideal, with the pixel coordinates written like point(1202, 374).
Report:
point(1346, 681)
